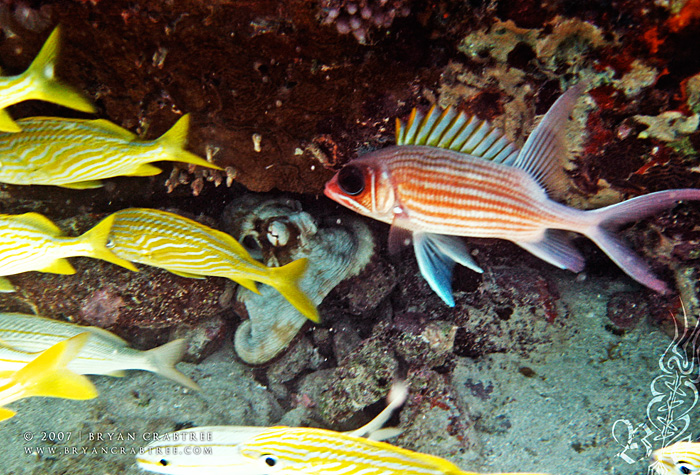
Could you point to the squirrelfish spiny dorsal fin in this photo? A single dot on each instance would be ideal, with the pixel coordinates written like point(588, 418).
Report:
point(458, 132)
point(545, 151)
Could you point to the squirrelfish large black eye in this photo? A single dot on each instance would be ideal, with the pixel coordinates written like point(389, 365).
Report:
point(351, 180)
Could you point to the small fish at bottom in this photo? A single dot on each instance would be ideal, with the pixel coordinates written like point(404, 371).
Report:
point(47, 376)
point(681, 458)
point(245, 450)
point(23, 336)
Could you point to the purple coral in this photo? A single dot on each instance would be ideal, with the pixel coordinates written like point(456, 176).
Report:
point(359, 16)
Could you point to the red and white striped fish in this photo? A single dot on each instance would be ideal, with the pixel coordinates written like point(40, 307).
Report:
point(454, 175)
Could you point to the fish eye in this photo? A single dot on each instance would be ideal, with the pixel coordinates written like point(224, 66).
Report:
point(351, 180)
point(163, 462)
point(270, 460)
point(684, 468)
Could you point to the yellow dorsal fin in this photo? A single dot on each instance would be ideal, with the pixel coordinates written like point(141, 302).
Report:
point(59, 266)
point(41, 222)
point(107, 335)
point(7, 124)
point(114, 129)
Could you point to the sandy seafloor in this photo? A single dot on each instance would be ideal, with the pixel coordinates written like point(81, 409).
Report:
point(559, 421)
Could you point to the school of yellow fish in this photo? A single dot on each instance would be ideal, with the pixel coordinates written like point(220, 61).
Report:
point(502, 193)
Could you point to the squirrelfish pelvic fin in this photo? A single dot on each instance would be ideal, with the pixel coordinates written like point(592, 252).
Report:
point(39, 82)
point(681, 458)
point(183, 246)
point(23, 336)
point(78, 154)
point(454, 175)
point(31, 241)
point(47, 376)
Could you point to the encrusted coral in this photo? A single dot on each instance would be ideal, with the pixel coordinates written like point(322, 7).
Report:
point(279, 231)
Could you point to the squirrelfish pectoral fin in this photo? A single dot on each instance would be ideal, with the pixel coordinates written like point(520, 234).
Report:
point(83, 185)
point(6, 286)
point(7, 124)
point(555, 248)
point(98, 238)
point(59, 266)
point(286, 280)
point(437, 255)
point(45, 86)
point(174, 141)
point(545, 152)
point(459, 132)
point(399, 237)
point(146, 170)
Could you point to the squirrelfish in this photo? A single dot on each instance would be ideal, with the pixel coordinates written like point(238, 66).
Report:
point(681, 458)
point(453, 175)
point(23, 336)
point(47, 376)
point(187, 248)
point(39, 82)
point(77, 154)
point(288, 451)
point(31, 241)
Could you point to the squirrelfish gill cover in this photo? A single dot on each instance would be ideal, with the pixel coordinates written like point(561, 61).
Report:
point(23, 336)
point(39, 82)
point(75, 153)
point(681, 458)
point(453, 175)
point(47, 376)
point(190, 249)
point(31, 241)
point(245, 450)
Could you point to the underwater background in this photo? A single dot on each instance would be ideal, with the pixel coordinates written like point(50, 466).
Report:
point(534, 369)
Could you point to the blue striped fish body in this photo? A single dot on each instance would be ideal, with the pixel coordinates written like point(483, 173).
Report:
point(452, 175)
point(78, 154)
point(31, 242)
point(190, 249)
point(39, 82)
point(681, 458)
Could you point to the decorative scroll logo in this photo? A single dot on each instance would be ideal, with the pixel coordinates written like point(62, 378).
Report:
point(674, 395)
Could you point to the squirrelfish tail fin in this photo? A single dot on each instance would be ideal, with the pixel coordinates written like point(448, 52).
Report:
point(45, 85)
point(165, 357)
point(286, 280)
point(97, 239)
point(607, 219)
point(174, 142)
point(47, 375)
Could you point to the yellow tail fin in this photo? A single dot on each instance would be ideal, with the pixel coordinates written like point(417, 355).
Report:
point(98, 238)
point(47, 376)
point(174, 141)
point(165, 357)
point(45, 86)
point(286, 279)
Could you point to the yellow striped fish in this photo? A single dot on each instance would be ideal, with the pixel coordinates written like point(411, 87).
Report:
point(23, 336)
point(288, 451)
point(39, 82)
point(681, 458)
point(47, 376)
point(31, 241)
point(189, 249)
point(78, 154)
